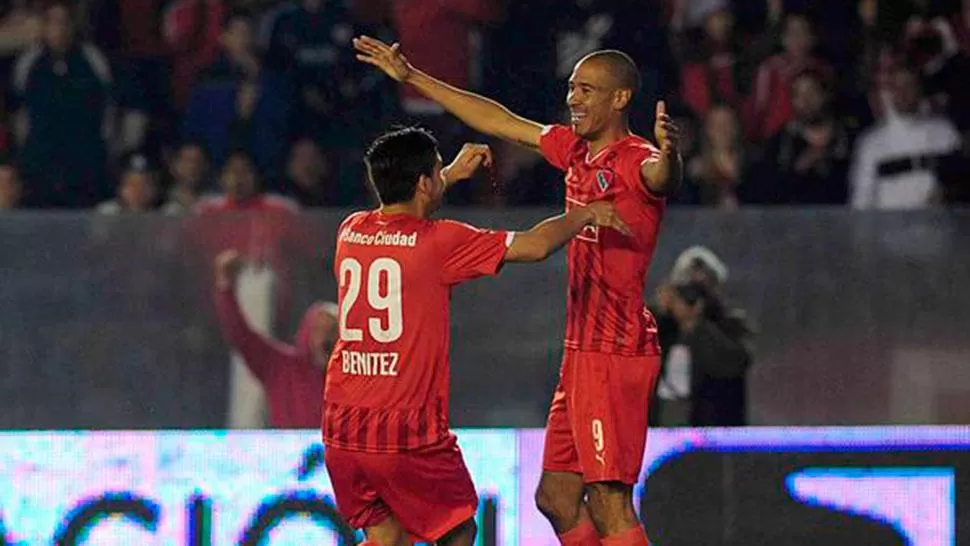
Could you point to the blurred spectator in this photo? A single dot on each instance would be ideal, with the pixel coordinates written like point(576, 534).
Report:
point(719, 166)
point(447, 51)
point(193, 30)
point(20, 27)
point(291, 374)
point(960, 22)
point(263, 238)
point(63, 104)
point(310, 39)
point(807, 162)
point(932, 48)
point(770, 108)
point(306, 175)
point(706, 357)
point(896, 161)
point(872, 58)
point(189, 173)
point(450, 51)
point(239, 104)
point(11, 187)
point(243, 189)
point(711, 73)
point(137, 188)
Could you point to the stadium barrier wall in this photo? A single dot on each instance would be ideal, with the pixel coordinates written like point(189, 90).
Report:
point(107, 323)
point(791, 486)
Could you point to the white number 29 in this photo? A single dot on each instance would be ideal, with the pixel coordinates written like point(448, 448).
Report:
point(351, 276)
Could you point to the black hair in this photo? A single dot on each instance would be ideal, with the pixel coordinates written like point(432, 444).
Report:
point(694, 292)
point(193, 143)
point(234, 15)
point(397, 160)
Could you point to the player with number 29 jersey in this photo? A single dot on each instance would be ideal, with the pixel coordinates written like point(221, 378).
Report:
point(387, 388)
point(396, 469)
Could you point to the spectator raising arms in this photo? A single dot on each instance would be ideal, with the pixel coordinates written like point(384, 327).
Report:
point(291, 374)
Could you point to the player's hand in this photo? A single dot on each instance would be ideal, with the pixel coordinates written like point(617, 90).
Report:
point(386, 57)
point(666, 131)
point(468, 160)
point(227, 265)
point(603, 213)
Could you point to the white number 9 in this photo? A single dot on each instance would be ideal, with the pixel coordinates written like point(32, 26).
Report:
point(598, 434)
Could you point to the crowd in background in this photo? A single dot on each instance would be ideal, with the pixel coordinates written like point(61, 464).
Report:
point(139, 105)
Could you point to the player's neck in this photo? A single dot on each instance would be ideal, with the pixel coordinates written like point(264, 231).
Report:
point(608, 137)
point(408, 209)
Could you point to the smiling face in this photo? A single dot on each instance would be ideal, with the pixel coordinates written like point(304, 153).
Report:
point(596, 100)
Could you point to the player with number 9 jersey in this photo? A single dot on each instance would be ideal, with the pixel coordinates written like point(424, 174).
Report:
point(396, 468)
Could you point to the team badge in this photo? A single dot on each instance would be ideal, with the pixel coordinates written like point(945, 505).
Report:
point(604, 179)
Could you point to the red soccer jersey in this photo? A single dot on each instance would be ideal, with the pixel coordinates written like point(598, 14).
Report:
point(387, 381)
point(605, 308)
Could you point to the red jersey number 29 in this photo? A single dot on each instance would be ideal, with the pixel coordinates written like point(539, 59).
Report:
point(385, 320)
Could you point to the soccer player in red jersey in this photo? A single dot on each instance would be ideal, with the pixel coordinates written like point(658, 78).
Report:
point(596, 432)
point(396, 468)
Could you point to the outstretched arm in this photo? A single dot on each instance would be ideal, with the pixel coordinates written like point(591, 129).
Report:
point(480, 113)
point(547, 236)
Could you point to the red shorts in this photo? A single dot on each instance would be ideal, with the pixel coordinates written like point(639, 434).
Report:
point(597, 423)
point(429, 491)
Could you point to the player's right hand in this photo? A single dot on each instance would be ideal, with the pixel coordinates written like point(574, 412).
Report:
point(227, 266)
point(604, 214)
point(386, 57)
point(468, 160)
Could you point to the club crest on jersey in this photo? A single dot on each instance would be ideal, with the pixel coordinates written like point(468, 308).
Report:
point(604, 179)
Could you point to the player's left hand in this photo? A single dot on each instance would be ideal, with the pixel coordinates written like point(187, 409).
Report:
point(666, 131)
point(468, 160)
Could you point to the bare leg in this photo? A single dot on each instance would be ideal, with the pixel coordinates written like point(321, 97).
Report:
point(463, 535)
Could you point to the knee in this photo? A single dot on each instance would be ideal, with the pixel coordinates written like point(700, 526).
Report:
point(560, 509)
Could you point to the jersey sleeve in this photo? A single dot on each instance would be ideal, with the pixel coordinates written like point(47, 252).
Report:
point(630, 165)
point(468, 252)
point(556, 143)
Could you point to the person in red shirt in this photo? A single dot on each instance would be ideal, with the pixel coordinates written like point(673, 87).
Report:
point(596, 432)
point(396, 469)
point(290, 373)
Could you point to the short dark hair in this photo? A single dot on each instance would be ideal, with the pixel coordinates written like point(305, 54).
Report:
point(237, 14)
point(621, 66)
point(817, 74)
point(67, 5)
point(396, 160)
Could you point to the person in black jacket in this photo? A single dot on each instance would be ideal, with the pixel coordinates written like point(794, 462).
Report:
point(705, 346)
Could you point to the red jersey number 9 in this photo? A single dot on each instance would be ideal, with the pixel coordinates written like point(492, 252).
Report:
point(386, 329)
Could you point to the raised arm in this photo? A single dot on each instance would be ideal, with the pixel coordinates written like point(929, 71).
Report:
point(258, 351)
point(664, 175)
point(547, 236)
point(478, 112)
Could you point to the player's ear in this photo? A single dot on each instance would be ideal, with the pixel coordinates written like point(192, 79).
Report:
point(424, 185)
point(622, 99)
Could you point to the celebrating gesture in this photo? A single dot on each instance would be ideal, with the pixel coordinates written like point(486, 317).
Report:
point(666, 131)
point(596, 430)
point(386, 57)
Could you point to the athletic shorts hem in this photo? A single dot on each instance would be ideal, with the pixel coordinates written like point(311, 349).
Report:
point(369, 517)
point(456, 518)
point(626, 480)
point(561, 468)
